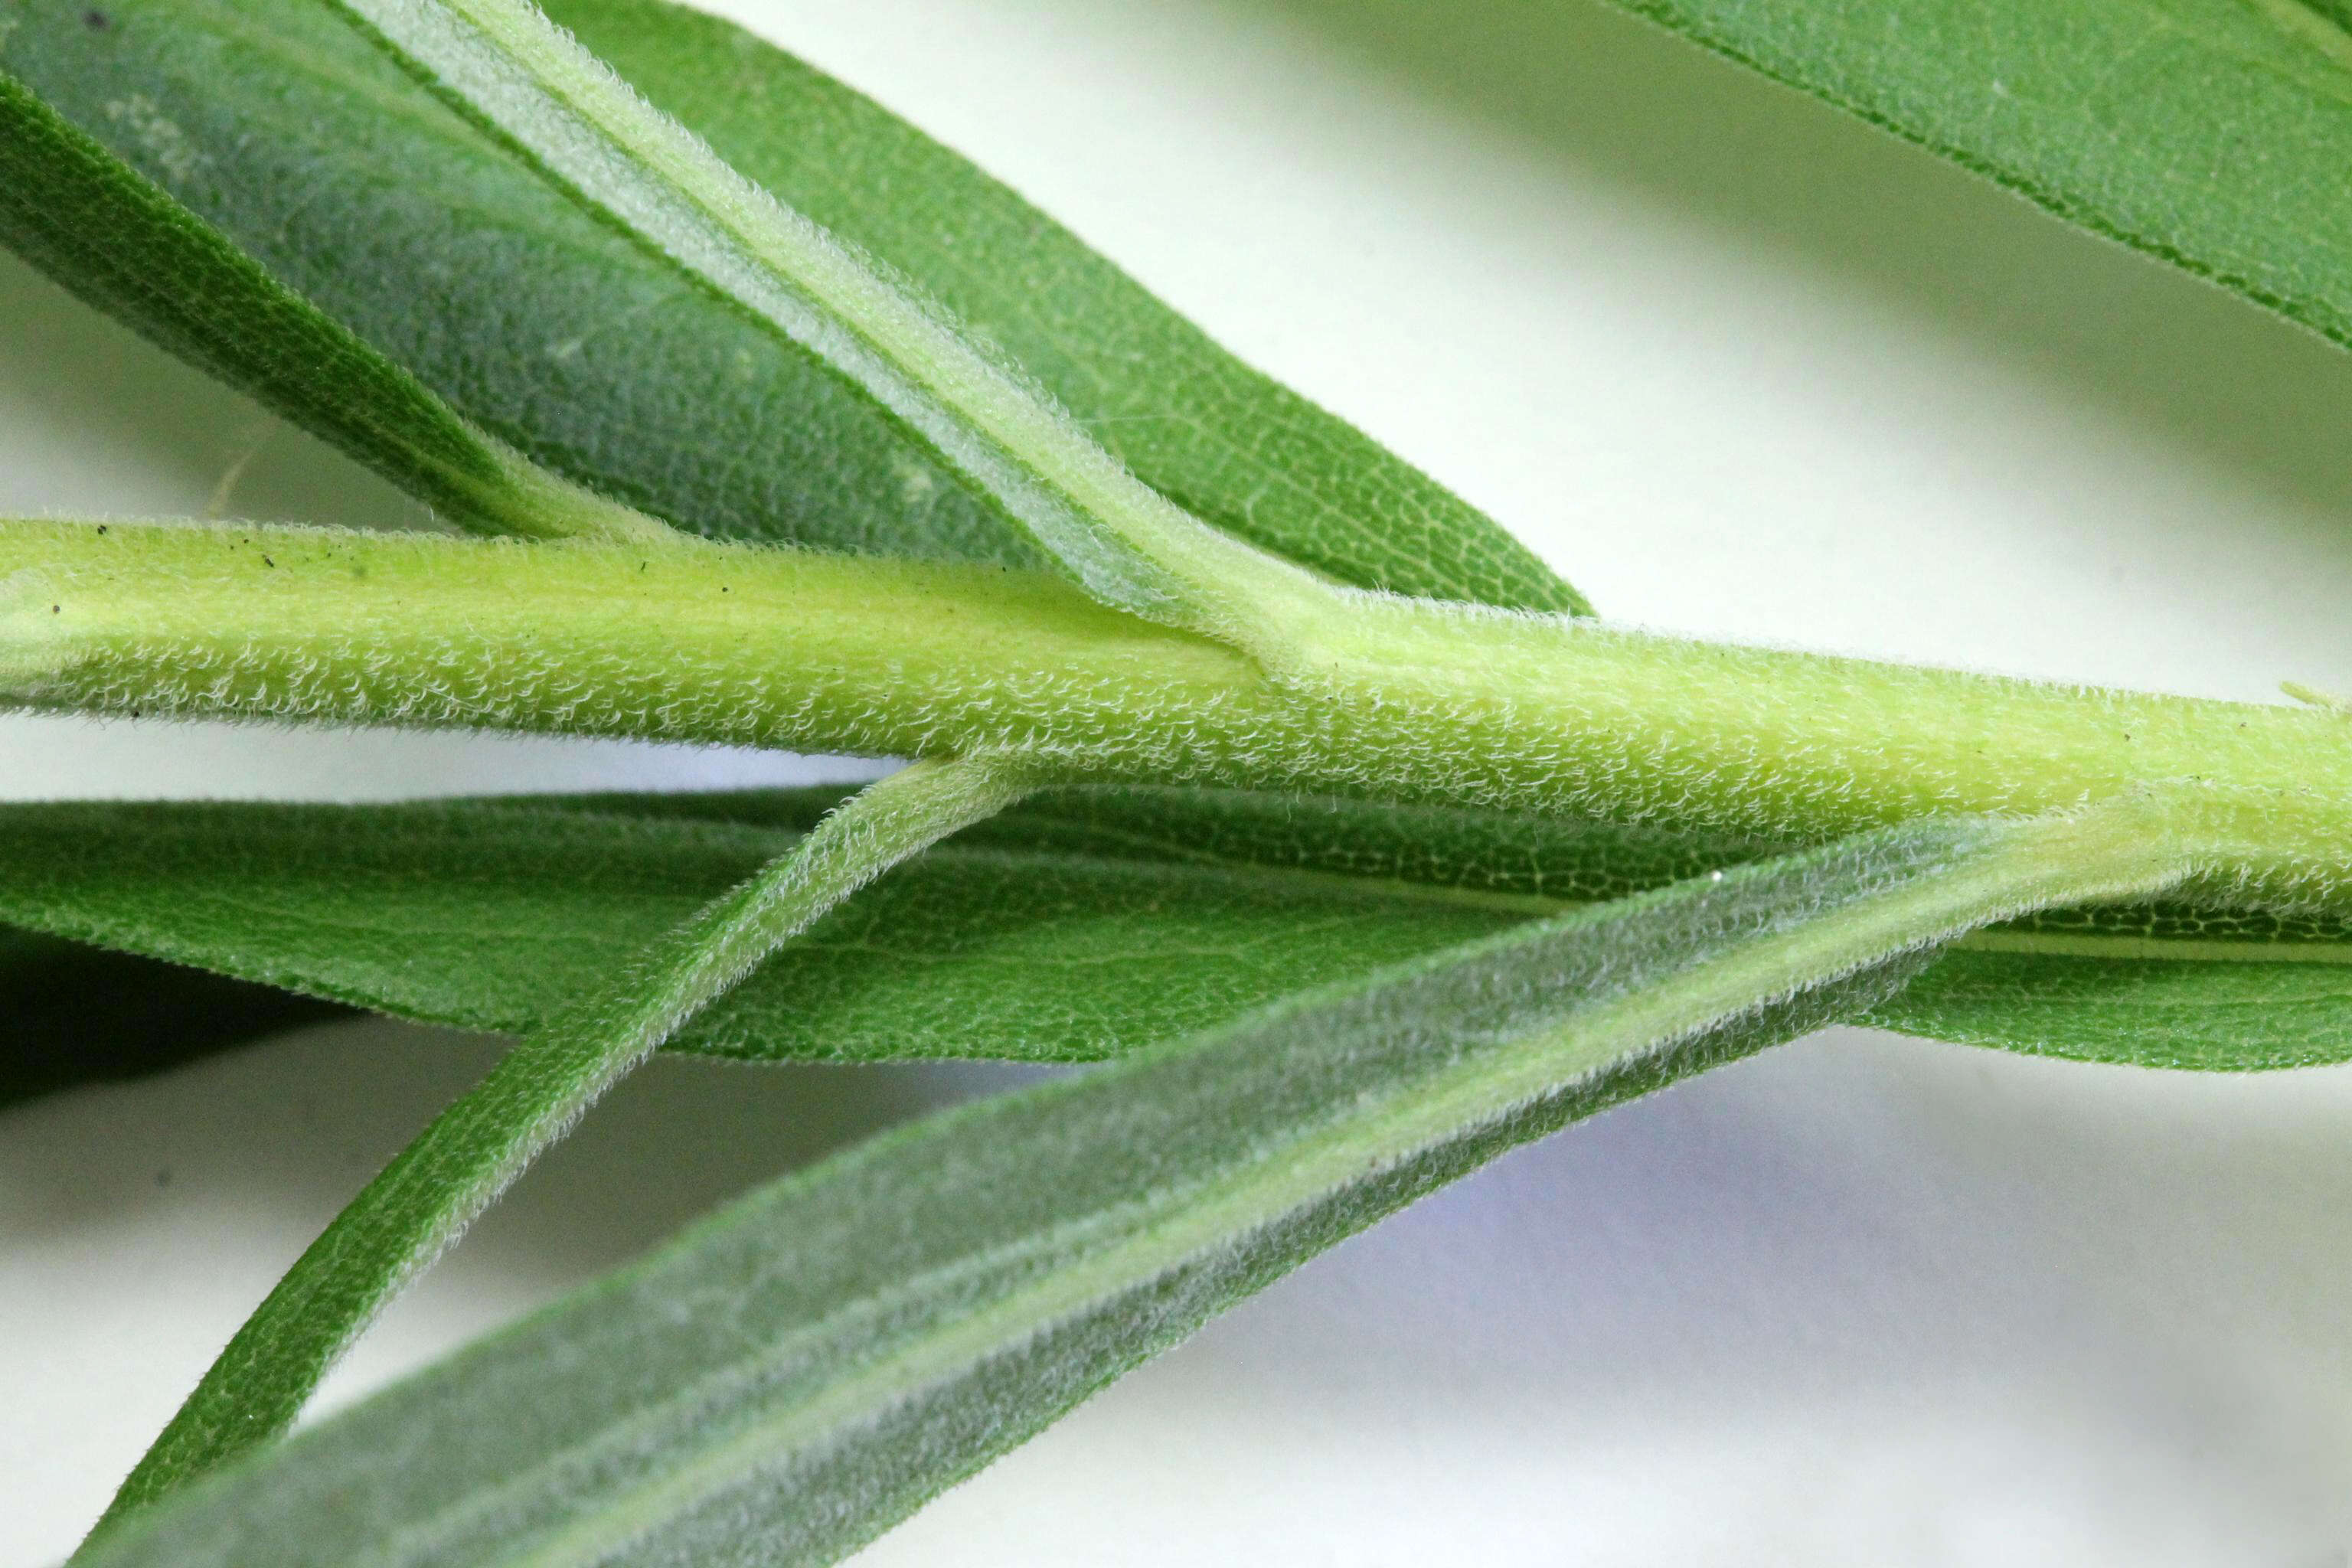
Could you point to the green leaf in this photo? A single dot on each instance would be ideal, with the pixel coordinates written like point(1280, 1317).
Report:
point(792, 1376)
point(1080, 925)
point(419, 1205)
point(1380, 846)
point(2211, 133)
point(1216, 437)
point(291, 131)
point(2161, 987)
point(507, 66)
point(1068, 933)
point(117, 240)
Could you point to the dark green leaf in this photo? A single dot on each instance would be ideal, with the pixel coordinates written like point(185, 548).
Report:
point(115, 239)
point(1562, 859)
point(492, 916)
point(2169, 1003)
point(291, 132)
point(1082, 925)
point(2212, 133)
point(71, 1015)
point(1218, 438)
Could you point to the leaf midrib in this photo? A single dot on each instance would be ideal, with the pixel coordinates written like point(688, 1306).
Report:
point(1452, 1103)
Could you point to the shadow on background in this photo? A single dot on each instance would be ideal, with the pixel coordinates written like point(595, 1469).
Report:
point(66, 368)
point(292, 1127)
point(1718, 144)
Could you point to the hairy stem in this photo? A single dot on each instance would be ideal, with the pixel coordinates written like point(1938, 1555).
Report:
point(1398, 699)
point(437, 1186)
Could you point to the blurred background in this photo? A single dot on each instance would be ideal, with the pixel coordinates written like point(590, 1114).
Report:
point(1738, 367)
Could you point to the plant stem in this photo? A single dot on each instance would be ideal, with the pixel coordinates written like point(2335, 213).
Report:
point(1390, 698)
point(425, 1198)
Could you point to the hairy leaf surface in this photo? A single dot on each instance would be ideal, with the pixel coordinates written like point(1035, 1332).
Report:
point(807, 1368)
point(492, 916)
point(1082, 925)
point(2163, 1004)
point(2212, 133)
point(290, 132)
point(1219, 440)
point(121, 243)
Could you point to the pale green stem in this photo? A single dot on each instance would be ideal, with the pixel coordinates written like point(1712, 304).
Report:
point(1131, 546)
point(1398, 699)
point(437, 1186)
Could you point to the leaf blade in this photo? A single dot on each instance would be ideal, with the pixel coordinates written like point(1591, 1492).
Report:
point(507, 66)
point(1077, 927)
point(2209, 135)
point(1222, 440)
point(351, 184)
point(120, 243)
point(797, 1375)
point(417, 1206)
point(492, 915)
point(2197, 1011)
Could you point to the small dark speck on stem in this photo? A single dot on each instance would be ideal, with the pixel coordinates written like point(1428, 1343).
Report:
point(102, 529)
point(266, 560)
point(96, 21)
point(54, 609)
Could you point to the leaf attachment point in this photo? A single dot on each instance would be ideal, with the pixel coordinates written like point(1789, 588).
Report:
point(506, 64)
point(424, 1200)
point(814, 1362)
point(121, 242)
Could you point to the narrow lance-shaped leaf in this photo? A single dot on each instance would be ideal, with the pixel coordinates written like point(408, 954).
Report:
point(1125, 543)
point(417, 1207)
point(2212, 134)
point(1224, 442)
point(493, 916)
point(120, 242)
point(1080, 925)
point(294, 135)
point(792, 1376)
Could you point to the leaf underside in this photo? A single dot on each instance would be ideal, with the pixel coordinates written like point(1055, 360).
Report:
point(75, 211)
point(818, 1359)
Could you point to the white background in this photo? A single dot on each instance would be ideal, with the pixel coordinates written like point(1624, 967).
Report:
point(1738, 367)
